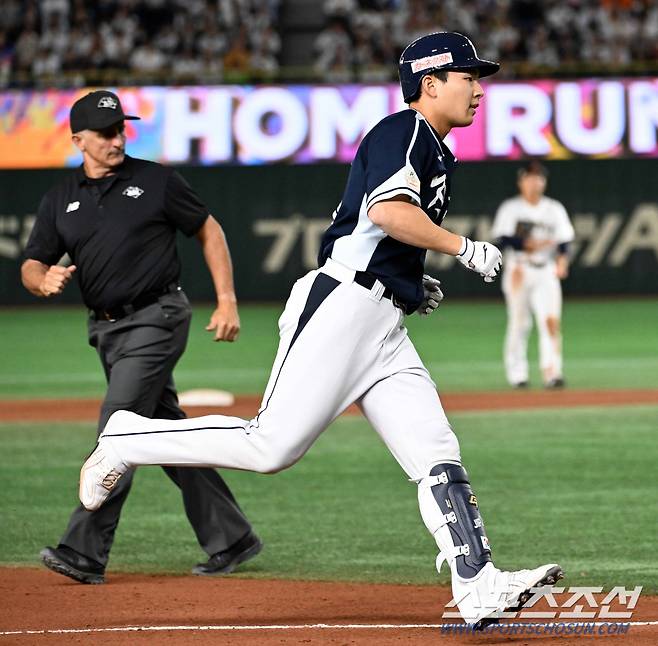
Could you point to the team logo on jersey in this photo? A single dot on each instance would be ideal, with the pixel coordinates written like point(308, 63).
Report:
point(472, 500)
point(133, 191)
point(439, 183)
point(412, 179)
point(477, 523)
point(108, 102)
point(485, 542)
point(73, 206)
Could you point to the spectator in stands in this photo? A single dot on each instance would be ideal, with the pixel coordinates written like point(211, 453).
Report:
point(334, 48)
point(147, 59)
point(237, 57)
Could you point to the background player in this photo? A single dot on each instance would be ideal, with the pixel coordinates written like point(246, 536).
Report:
point(535, 232)
point(343, 339)
point(117, 216)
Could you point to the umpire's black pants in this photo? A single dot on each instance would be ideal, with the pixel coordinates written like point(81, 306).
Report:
point(138, 354)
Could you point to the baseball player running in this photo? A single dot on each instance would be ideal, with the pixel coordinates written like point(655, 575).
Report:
point(535, 232)
point(343, 339)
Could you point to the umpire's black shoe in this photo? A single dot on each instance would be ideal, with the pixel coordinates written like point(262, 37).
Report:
point(225, 562)
point(65, 560)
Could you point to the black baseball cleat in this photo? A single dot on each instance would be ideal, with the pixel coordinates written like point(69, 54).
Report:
point(555, 384)
point(520, 385)
point(65, 560)
point(226, 561)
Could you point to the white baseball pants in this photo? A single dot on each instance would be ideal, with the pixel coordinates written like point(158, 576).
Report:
point(532, 291)
point(339, 343)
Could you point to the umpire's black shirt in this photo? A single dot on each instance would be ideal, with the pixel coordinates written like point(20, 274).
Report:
point(120, 231)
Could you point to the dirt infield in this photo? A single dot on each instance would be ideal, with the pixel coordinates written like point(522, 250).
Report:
point(193, 610)
point(247, 405)
point(39, 607)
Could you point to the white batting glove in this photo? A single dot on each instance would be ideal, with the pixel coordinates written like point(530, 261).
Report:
point(481, 257)
point(432, 295)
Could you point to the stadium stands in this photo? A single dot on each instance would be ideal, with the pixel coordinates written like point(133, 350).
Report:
point(79, 42)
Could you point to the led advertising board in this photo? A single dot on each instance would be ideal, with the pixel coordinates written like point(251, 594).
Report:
point(301, 124)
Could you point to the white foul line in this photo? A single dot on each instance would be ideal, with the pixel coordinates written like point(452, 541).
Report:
point(127, 629)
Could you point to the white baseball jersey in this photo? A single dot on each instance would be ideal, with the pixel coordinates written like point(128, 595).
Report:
point(546, 220)
point(530, 283)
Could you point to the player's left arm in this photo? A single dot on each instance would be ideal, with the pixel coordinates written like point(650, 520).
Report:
point(224, 320)
point(432, 295)
point(564, 236)
point(562, 260)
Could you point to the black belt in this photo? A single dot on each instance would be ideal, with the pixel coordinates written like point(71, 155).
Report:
point(121, 311)
point(367, 280)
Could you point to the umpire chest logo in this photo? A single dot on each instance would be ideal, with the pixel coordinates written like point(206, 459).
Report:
point(73, 206)
point(133, 191)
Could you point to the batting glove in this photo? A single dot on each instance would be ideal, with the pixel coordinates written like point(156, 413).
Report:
point(481, 257)
point(432, 295)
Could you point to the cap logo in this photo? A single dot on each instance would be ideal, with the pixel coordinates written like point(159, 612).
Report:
point(430, 62)
point(108, 102)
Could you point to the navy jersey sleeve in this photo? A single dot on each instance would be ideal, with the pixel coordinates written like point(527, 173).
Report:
point(183, 207)
point(395, 161)
point(45, 243)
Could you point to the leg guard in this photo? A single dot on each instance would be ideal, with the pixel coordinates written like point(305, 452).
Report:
point(450, 511)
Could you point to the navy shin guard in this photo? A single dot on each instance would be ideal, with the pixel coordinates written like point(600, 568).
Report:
point(459, 507)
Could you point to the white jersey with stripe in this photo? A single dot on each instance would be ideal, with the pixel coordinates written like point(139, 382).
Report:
point(545, 221)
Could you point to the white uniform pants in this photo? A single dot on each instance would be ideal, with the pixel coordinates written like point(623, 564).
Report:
point(532, 291)
point(339, 343)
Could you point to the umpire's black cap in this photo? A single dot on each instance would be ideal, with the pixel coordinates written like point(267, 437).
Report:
point(96, 111)
point(443, 50)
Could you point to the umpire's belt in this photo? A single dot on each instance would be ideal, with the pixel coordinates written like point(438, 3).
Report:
point(121, 311)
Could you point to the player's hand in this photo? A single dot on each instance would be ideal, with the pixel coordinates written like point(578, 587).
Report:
point(225, 322)
point(55, 279)
point(481, 257)
point(432, 295)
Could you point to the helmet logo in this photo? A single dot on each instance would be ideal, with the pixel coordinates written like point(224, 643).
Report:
point(431, 62)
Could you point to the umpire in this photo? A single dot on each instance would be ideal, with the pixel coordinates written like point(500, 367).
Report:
point(117, 217)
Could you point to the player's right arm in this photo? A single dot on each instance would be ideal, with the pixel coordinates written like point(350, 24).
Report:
point(43, 280)
point(408, 223)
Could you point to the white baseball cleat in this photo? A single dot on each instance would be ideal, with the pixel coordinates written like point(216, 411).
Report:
point(483, 599)
point(98, 477)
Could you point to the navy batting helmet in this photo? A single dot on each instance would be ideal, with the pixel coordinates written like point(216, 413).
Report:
point(444, 50)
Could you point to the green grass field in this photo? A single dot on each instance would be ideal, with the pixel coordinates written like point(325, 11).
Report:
point(607, 345)
point(573, 485)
